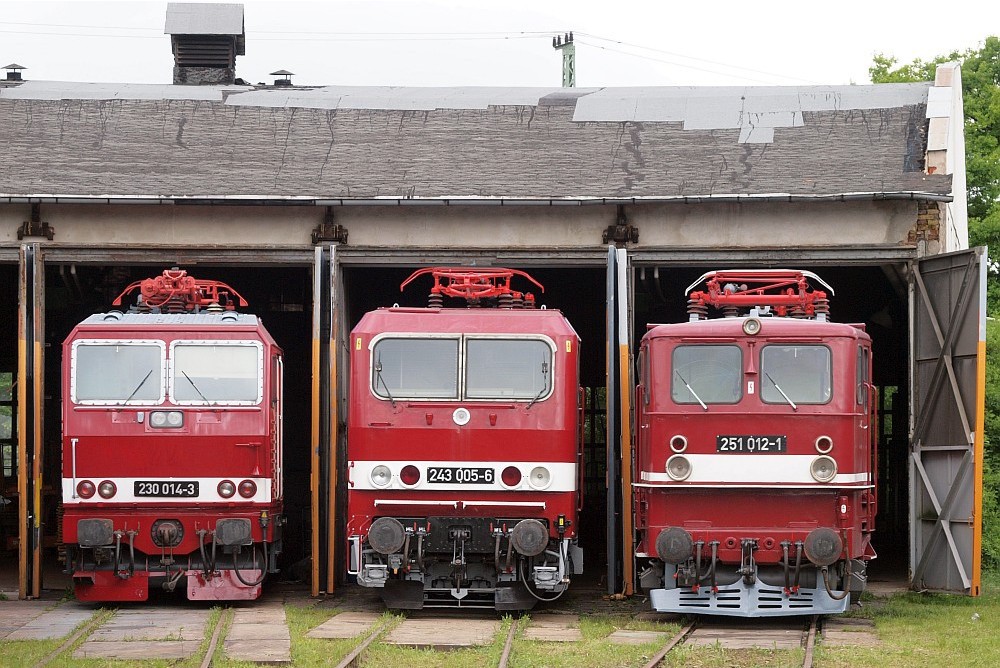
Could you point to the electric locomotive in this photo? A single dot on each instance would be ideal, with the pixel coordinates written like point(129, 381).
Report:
point(755, 460)
point(464, 447)
point(172, 452)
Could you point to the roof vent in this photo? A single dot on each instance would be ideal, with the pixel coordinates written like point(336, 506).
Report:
point(14, 71)
point(205, 38)
point(286, 79)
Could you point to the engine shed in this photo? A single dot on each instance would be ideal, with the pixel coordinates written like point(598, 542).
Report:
point(315, 202)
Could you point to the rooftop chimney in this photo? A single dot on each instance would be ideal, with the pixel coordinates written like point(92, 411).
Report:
point(206, 38)
point(14, 71)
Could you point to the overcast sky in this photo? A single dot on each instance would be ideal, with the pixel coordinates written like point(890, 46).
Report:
point(509, 43)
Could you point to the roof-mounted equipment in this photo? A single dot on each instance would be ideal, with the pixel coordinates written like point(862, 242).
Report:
point(782, 292)
point(176, 292)
point(478, 287)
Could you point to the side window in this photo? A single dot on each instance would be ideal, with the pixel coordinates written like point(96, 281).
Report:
point(8, 450)
point(709, 374)
point(644, 374)
point(862, 377)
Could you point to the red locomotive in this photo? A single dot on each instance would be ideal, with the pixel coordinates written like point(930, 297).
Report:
point(172, 432)
point(755, 456)
point(463, 447)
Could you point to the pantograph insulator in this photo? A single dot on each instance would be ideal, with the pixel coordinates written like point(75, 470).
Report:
point(505, 301)
point(698, 308)
point(435, 300)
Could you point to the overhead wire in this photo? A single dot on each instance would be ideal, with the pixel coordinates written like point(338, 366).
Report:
point(589, 40)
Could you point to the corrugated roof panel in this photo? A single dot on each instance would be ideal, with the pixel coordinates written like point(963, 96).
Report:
point(713, 106)
point(71, 90)
point(197, 18)
point(394, 98)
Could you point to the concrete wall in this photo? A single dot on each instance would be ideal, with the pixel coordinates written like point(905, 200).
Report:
point(713, 225)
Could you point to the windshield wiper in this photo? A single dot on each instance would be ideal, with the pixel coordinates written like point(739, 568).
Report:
point(196, 389)
point(141, 383)
point(691, 389)
point(380, 379)
point(790, 402)
point(545, 385)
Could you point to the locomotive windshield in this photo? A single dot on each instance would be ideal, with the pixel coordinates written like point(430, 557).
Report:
point(507, 369)
point(707, 374)
point(216, 372)
point(111, 372)
point(494, 368)
point(795, 374)
point(415, 368)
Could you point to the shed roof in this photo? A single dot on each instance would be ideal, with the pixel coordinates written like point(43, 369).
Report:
point(362, 143)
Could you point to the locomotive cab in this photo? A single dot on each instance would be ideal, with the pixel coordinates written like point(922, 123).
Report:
point(172, 446)
point(463, 448)
point(755, 487)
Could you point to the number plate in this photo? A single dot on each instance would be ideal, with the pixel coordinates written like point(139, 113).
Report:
point(459, 475)
point(175, 488)
point(751, 444)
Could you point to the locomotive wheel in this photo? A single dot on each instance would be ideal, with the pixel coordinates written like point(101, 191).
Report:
point(386, 535)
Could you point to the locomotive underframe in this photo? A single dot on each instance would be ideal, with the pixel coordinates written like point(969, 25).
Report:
point(118, 556)
point(465, 562)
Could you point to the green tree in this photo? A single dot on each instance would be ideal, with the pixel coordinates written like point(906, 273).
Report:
point(981, 99)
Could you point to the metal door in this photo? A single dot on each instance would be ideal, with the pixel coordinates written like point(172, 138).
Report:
point(619, 426)
point(30, 403)
point(626, 388)
point(948, 367)
point(323, 459)
point(613, 433)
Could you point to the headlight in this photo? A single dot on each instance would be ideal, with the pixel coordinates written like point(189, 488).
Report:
point(410, 475)
point(226, 489)
point(511, 476)
point(380, 475)
point(107, 489)
point(751, 326)
point(678, 467)
point(168, 419)
point(823, 469)
point(539, 478)
point(824, 444)
point(247, 489)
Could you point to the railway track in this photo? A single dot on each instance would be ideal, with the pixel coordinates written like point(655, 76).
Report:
point(808, 641)
point(730, 634)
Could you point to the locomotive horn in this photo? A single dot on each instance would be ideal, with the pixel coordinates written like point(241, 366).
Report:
point(673, 545)
point(386, 535)
point(529, 537)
